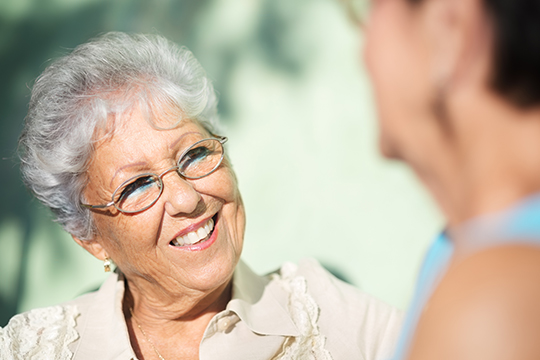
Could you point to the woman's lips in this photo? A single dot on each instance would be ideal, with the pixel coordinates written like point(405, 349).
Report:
point(197, 236)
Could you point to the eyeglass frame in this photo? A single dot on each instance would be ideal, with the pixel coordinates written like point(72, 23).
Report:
point(221, 139)
point(356, 11)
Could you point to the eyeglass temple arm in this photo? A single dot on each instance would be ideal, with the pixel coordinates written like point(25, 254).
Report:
point(221, 139)
point(88, 206)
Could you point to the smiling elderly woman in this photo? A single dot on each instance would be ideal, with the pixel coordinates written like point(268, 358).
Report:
point(120, 144)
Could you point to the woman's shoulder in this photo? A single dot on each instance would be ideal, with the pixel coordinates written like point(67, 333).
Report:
point(43, 333)
point(495, 290)
point(350, 319)
point(46, 333)
point(325, 286)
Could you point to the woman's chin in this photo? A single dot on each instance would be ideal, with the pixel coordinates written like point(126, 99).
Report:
point(208, 268)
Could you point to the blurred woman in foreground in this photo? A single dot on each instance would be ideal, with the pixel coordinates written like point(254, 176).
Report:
point(457, 84)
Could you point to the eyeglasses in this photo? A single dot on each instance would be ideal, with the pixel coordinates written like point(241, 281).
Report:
point(142, 191)
point(358, 11)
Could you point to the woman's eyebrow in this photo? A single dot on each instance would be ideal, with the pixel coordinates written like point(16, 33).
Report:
point(140, 163)
point(181, 137)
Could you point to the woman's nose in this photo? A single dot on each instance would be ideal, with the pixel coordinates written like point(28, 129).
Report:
point(179, 195)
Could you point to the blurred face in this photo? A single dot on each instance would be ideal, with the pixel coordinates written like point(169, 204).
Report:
point(396, 57)
point(191, 238)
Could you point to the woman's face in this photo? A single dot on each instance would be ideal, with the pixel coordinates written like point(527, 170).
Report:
point(397, 60)
point(145, 245)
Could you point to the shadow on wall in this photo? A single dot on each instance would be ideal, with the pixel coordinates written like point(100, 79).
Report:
point(43, 31)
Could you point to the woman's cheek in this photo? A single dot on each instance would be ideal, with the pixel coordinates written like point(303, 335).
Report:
point(221, 184)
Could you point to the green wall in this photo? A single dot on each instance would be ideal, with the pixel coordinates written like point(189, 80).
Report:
point(297, 107)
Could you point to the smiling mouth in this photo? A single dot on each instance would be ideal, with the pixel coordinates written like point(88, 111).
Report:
point(200, 235)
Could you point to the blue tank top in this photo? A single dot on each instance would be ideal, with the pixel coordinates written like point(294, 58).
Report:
point(519, 224)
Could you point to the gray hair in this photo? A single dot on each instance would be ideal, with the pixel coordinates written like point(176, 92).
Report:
point(81, 92)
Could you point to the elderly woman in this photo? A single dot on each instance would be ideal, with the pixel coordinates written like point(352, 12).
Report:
point(120, 143)
point(462, 107)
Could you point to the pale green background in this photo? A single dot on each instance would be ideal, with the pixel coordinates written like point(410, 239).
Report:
point(297, 107)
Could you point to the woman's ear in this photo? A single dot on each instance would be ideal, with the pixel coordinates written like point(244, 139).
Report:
point(459, 35)
point(93, 247)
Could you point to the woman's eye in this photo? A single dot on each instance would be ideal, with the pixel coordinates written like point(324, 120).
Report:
point(192, 157)
point(136, 187)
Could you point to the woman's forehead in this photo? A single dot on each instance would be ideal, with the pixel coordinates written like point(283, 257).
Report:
point(137, 125)
point(139, 113)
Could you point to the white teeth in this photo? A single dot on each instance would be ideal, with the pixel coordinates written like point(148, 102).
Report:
point(192, 238)
point(195, 236)
point(178, 242)
point(201, 233)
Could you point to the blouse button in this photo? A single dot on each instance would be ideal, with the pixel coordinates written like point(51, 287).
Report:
point(225, 323)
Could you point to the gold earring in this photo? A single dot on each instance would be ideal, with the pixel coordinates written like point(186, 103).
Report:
point(107, 264)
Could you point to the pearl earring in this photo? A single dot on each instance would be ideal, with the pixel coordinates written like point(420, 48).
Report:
point(107, 264)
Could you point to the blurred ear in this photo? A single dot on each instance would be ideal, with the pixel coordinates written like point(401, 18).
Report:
point(93, 247)
point(460, 38)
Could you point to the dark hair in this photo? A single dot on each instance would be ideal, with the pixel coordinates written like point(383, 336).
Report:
point(516, 70)
point(517, 49)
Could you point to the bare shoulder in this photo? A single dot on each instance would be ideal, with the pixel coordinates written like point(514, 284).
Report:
point(486, 307)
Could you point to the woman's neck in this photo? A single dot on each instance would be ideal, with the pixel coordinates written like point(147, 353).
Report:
point(493, 161)
point(173, 328)
point(189, 305)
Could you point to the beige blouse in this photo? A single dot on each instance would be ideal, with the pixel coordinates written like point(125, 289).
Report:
point(299, 312)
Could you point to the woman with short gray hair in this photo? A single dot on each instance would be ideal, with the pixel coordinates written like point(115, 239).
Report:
point(120, 143)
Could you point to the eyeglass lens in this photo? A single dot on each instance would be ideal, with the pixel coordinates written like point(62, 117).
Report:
point(359, 10)
point(142, 191)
